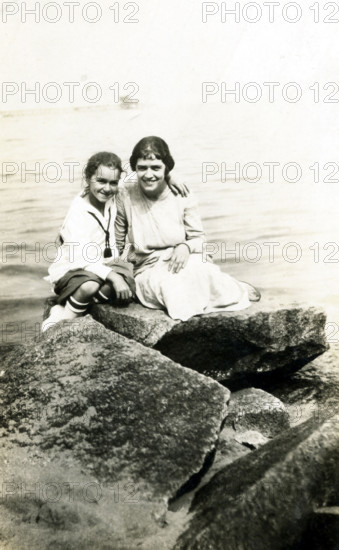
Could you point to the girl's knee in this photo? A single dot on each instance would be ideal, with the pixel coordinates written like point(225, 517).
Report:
point(88, 289)
point(107, 290)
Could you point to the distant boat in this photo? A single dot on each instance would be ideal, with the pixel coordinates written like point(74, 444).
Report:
point(126, 103)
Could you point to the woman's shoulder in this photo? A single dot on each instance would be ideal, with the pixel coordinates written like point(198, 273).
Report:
point(127, 190)
point(189, 201)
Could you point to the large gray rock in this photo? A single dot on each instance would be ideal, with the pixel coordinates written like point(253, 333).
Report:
point(239, 347)
point(89, 406)
point(264, 499)
point(322, 532)
point(313, 391)
point(146, 326)
point(253, 417)
point(255, 409)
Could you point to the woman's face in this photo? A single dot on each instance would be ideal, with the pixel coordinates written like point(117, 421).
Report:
point(151, 176)
point(103, 184)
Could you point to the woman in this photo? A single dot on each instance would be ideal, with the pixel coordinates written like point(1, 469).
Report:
point(166, 241)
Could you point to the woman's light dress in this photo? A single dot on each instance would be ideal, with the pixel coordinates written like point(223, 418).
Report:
point(154, 228)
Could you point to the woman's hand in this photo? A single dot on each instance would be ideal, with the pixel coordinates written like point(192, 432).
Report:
point(179, 258)
point(121, 288)
point(177, 187)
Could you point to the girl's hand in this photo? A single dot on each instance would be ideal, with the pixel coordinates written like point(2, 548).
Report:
point(179, 258)
point(177, 187)
point(122, 290)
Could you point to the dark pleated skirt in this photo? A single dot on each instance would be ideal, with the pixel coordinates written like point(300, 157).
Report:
point(70, 282)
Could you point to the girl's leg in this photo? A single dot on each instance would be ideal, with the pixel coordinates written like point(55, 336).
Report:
point(78, 303)
point(75, 306)
point(104, 293)
point(56, 314)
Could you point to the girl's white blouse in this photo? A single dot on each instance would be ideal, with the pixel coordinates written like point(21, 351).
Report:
point(83, 240)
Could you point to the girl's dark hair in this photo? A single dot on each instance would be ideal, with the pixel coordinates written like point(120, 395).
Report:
point(149, 146)
point(106, 159)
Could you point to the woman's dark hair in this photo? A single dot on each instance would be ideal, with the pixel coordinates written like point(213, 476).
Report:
point(149, 146)
point(106, 159)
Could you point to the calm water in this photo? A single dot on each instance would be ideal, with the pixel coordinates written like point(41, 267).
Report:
point(235, 214)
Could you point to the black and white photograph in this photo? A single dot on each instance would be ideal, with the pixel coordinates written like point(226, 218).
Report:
point(169, 275)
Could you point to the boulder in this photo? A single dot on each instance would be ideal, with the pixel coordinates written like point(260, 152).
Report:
point(86, 405)
point(322, 532)
point(231, 446)
point(242, 348)
point(251, 439)
point(255, 409)
point(246, 423)
point(147, 326)
point(265, 498)
point(313, 391)
point(229, 449)
point(253, 417)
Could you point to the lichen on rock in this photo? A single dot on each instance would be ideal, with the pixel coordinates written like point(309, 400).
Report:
point(105, 407)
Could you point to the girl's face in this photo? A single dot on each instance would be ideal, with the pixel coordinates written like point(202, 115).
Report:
point(151, 176)
point(103, 184)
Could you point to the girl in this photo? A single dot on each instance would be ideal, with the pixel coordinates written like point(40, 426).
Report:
point(87, 266)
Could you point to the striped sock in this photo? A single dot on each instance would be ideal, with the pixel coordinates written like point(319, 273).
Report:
point(102, 298)
point(75, 306)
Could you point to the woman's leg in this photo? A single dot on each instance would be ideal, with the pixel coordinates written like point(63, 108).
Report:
point(254, 294)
